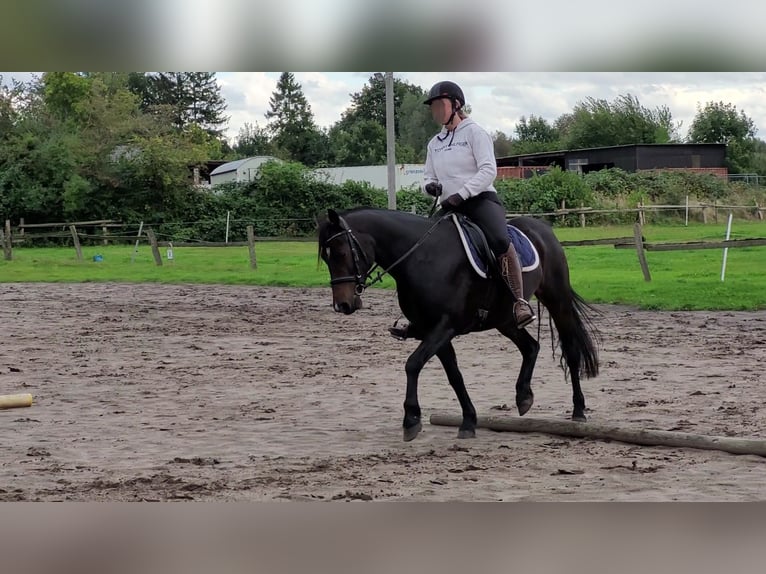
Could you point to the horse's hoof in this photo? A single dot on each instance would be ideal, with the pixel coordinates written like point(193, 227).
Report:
point(579, 418)
point(466, 433)
point(412, 432)
point(524, 405)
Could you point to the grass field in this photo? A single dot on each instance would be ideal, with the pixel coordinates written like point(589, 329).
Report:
point(601, 274)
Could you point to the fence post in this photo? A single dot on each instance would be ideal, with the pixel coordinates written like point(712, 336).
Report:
point(639, 239)
point(138, 238)
point(21, 226)
point(104, 232)
point(155, 248)
point(76, 241)
point(641, 220)
point(251, 247)
point(758, 211)
point(8, 241)
point(582, 215)
point(7, 248)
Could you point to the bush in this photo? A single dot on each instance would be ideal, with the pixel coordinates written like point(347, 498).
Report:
point(545, 193)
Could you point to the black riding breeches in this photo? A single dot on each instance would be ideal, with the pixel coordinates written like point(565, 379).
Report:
point(486, 211)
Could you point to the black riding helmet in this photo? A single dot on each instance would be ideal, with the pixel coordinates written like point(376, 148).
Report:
point(446, 90)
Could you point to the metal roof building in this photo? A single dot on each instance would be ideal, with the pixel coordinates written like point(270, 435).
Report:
point(632, 157)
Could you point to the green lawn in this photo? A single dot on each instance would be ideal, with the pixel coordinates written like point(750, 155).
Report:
point(680, 279)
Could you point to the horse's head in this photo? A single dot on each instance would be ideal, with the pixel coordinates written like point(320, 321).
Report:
point(347, 260)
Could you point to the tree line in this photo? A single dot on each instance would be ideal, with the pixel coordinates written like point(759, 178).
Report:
point(114, 145)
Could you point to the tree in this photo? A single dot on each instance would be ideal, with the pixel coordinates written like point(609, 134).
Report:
point(535, 134)
point(413, 126)
point(64, 93)
point(758, 164)
point(291, 123)
point(252, 140)
point(8, 113)
point(504, 146)
point(185, 97)
point(718, 122)
point(205, 106)
point(416, 126)
point(80, 147)
point(598, 123)
point(360, 143)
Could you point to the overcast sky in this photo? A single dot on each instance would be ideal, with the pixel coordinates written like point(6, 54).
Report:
point(499, 99)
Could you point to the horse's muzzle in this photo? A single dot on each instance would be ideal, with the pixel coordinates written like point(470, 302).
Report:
point(347, 308)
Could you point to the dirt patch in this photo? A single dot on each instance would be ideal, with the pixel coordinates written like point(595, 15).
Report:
point(151, 392)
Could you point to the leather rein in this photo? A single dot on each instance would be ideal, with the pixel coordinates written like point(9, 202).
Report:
point(362, 280)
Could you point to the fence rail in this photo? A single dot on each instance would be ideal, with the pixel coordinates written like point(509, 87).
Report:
point(642, 209)
point(641, 246)
point(112, 231)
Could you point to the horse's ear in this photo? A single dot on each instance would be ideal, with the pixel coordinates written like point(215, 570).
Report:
point(333, 217)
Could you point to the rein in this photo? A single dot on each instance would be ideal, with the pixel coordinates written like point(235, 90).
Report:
point(363, 281)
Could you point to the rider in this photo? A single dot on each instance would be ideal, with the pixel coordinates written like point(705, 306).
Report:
point(461, 169)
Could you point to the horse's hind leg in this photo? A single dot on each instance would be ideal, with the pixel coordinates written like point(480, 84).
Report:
point(574, 342)
point(578, 399)
point(449, 361)
point(529, 348)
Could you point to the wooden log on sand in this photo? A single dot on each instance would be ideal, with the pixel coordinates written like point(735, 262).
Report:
point(608, 432)
point(14, 401)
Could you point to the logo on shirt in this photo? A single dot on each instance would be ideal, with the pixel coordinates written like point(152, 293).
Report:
point(453, 144)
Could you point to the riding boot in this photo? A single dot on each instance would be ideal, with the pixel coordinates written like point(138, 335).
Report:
point(511, 271)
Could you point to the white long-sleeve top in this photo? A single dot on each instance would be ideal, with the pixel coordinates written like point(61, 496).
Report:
point(463, 161)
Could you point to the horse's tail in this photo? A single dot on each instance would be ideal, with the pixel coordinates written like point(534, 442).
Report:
point(578, 336)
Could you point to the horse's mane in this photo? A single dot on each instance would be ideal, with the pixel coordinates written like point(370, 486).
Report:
point(416, 224)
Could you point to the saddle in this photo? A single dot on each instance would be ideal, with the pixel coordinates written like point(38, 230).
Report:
point(480, 255)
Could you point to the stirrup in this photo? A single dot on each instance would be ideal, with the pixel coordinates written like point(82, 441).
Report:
point(399, 332)
point(527, 321)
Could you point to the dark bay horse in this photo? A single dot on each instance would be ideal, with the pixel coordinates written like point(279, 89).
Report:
point(442, 297)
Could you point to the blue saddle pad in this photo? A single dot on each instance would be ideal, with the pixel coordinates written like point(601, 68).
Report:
point(528, 256)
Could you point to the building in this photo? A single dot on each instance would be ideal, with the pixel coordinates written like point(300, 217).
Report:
point(241, 170)
point(407, 175)
point(634, 157)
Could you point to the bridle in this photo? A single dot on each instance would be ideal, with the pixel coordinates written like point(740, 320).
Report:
point(356, 249)
point(362, 281)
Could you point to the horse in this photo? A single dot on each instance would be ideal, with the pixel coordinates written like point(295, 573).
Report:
point(442, 296)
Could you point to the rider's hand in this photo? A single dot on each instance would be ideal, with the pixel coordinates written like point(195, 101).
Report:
point(453, 201)
point(434, 188)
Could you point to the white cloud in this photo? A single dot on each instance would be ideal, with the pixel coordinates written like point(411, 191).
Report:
point(500, 99)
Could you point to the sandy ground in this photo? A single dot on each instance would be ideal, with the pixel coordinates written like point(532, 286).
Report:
point(148, 392)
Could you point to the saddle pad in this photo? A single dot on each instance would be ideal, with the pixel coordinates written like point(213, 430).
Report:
point(528, 256)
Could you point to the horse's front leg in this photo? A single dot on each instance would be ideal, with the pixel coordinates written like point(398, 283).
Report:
point(449, 361)
point(429, 346)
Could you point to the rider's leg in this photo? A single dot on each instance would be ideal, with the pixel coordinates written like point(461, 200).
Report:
point(511, 270)
point(489, 214)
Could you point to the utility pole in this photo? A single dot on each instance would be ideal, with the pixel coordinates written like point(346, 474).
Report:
point(390, 145)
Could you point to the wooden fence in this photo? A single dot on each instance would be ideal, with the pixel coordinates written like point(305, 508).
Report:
point(708, 211)
point(637, 242)
point(70, 230)
point(641, 246)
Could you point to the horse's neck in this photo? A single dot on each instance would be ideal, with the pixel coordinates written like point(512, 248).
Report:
point(393, 237)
